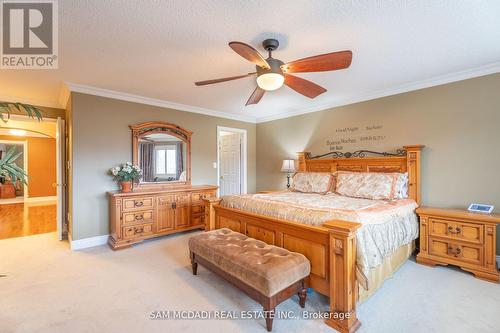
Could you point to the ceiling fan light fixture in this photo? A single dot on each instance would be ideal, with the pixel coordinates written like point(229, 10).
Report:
point(270, 81)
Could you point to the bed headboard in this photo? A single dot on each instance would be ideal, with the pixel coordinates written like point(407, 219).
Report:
point(406, 159)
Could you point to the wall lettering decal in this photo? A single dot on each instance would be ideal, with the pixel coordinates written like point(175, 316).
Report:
point(354, 137)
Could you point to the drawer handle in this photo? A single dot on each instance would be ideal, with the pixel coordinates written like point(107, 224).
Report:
point(139, 230)
point(138, 203)
point(455, 251)
point(455, 230)
point(139, 217)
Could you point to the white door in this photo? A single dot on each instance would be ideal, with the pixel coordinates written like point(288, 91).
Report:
point(60, 161)
point(230, 164)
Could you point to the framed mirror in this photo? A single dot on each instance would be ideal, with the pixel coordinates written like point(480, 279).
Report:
point(163, 152)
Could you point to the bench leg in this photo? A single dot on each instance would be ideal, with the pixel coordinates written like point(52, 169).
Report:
point(302, 297)
point(194, 264)
point(269, 319)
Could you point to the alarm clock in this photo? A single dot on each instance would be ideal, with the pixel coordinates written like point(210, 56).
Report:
point(480, 208)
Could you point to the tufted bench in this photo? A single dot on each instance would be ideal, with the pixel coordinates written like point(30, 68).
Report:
point(267, 273)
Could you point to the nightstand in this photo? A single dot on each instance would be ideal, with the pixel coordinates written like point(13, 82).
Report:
point(460, 238)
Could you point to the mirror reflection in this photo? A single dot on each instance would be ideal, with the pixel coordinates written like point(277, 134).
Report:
point(162, 158)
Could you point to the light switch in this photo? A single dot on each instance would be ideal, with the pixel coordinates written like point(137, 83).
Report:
point(215, 165)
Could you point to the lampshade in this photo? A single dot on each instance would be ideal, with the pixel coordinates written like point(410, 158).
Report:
point(270, 81)
point(288, 166)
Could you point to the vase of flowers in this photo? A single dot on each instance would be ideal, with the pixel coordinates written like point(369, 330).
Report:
point(126, 175)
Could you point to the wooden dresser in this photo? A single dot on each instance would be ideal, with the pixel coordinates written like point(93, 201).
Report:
point(146, 214)
point(461, 238)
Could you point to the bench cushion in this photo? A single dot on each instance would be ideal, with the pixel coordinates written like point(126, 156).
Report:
point(267, 268)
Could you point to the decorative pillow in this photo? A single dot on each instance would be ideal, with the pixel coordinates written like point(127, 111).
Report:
point(367, 185)
point(402, 186)
point(312, 182)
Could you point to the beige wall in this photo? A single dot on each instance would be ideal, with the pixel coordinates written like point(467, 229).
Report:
point(459, 123)
point(102, 139)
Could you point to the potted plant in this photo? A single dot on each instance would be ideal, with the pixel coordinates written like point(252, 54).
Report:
point(6, 109)
point(9, 170)
point(126, 174)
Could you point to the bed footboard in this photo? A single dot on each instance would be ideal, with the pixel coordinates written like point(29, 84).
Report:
point(331, 249)
point(343, 285)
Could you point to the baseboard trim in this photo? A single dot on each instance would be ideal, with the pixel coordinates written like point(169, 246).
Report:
point(41, 199)
point(85, 243)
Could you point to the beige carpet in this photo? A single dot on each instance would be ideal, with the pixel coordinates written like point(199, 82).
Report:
point(48, 288)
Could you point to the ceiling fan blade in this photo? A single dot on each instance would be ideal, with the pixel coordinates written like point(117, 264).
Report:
point(202, 83)
point(256, 96)
point(304, 87)
point(320, 63)
point(249, 53)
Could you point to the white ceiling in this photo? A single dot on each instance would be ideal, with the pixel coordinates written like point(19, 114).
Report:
point(153, 51)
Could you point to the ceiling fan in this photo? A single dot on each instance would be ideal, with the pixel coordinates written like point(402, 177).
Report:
point(272, 73)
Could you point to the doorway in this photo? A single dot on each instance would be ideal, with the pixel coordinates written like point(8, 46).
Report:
point(40, 207)
point(231, 160)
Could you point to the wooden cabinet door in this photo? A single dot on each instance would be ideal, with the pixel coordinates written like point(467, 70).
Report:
point(166, 213)
point(182, 210)
point(182, 216)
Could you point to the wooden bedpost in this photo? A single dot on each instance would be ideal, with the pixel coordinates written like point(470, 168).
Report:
point(302, 160)
point(210, 212)
point(413, 166)
point(343, 284)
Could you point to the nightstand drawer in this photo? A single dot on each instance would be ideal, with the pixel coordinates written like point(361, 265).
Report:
point(456, 230)
point(463, 252)
point(138, 203)
point(138, 217)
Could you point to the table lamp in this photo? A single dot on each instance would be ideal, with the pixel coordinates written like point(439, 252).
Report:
point(288, 166)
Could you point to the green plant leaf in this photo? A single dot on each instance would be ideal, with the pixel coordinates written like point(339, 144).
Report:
point(10, 170)
point(15, 157)
point(9, 154)
point(30, 110)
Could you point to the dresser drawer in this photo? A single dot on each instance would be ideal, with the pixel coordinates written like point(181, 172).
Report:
point(137, 231)
point(198, 209)
point(460, 251)
point(456, 230)
point(138, 203)
point(197, 197)
point(142, 216)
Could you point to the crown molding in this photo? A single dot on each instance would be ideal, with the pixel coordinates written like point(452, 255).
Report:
point(73, 87)
point(407, 87)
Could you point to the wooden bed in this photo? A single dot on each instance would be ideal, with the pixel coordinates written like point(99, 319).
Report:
point(331, 247)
